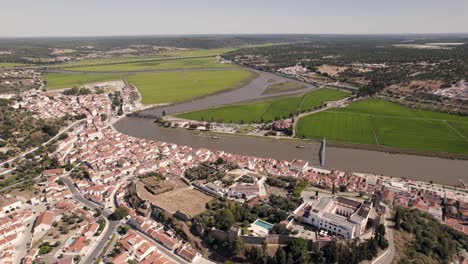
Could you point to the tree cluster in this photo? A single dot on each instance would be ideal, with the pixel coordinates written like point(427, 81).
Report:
point(431, 238)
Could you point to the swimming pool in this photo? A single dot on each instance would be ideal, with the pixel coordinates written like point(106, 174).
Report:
point(70, 241)
point(263, 224)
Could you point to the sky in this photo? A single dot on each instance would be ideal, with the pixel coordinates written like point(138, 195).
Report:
point(20, 18)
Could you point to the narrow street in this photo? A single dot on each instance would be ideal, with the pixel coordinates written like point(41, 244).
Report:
point(388, 256)
point(111, 226)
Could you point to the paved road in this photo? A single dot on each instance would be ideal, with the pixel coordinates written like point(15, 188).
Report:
point(389, 255)
point(111, 226)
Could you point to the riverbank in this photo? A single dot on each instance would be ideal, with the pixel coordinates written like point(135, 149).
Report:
point(439, 170)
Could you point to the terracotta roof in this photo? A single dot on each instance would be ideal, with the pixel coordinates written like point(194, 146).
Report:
point(45, 218)
point(53, 172)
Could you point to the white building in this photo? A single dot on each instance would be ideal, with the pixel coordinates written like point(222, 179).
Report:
point(339, 216)
point(299, 165)
point(243, 190)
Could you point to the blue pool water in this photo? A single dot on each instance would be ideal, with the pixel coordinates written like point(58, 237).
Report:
point(70, 241)
point(263, 224)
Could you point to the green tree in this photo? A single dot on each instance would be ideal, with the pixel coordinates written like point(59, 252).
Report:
point(299, 250)
point(119, 213)
point(238, 246)
point(224, 219)
point(397, 219)
point(280, 256)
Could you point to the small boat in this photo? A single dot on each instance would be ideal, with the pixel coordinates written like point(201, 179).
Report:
point(215, 137)
point(300, 146)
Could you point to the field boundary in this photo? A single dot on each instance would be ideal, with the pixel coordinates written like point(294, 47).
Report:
point(396, 127)
point(421, 136)
point(456, 131)
point(402, 117)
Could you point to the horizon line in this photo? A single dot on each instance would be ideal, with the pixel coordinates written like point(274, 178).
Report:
point(234, 34)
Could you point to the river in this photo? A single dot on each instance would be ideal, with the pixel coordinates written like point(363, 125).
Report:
point(439, 170)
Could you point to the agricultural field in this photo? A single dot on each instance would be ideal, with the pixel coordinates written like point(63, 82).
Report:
point(267, 110)
point(111, 60)
point(153, 65)
point(9, 65)
point(162, 55)
point(61, 80)
point(171, 87)
point(283, 87)
point(383, 123)
point(317, 98)
point(248, 113)
point(200, 52)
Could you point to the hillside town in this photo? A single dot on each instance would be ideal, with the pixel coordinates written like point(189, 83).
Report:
point(56, 227)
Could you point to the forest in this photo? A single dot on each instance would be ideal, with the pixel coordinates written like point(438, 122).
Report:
point(372, 62)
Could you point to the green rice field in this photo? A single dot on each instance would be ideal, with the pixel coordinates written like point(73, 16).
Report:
point(9, 65)
point(383, 123)
point(61, 80)
point(267, 110)
point(153, 65)
point(171, 87)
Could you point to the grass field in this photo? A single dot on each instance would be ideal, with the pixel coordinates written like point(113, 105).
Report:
point(162, 55)
point(110, 60)
point(284, 87)
point(384, 123)
point(266, 110)
point(171, 87)
point(8, 65)
point(60, 80)
point(154, 65)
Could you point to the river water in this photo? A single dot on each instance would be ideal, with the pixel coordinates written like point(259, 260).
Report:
point(439, 170)
point(253, 90)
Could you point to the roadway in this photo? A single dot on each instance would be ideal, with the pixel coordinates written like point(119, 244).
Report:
point(111, 225)
point(388, 256)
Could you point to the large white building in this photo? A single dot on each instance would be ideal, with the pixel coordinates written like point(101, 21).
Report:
point(339, 216)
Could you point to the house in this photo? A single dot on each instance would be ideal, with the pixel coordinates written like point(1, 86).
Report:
point(299, 165)
point(77, 246)
point(43, 222)
point(68, 260)
point(281, 125)
point(122, 258)
point(242, 190)
point(91, 229)
point(53, 172)
point(187, 253)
